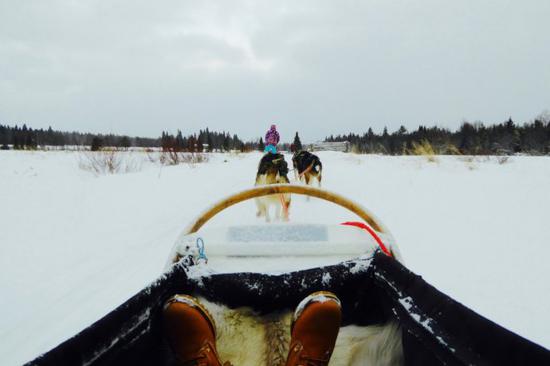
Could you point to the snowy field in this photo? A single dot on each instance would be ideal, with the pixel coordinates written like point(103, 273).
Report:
point(74, 245)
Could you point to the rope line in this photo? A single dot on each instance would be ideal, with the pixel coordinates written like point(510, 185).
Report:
point(372, 233)
point(283, 203)
point(200, 247)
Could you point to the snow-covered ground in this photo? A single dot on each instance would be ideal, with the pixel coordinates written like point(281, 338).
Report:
point(74, 245)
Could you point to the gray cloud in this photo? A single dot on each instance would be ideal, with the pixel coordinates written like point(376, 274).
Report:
point(319, 67)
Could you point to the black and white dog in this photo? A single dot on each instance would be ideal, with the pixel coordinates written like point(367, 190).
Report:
point(273, 169)
point(307, 166)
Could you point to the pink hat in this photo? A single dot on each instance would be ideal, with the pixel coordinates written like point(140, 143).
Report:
point(273, 127)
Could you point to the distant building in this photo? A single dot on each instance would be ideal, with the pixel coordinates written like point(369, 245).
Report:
point(343, 146)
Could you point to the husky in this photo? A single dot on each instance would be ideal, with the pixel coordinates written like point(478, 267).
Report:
point(273, 169)
point(308, 166)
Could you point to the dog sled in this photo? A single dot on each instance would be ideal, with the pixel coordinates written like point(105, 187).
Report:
point(391, 316)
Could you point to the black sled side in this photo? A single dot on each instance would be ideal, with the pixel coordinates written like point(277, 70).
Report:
point(436, 330)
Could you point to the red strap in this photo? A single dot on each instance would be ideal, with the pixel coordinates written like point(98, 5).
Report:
point(283, 203)
point(372, 232)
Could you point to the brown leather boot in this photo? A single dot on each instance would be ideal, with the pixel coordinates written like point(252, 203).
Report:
point(190, 331)
point(314, 330)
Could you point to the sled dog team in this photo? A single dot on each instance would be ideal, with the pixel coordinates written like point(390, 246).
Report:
point(273, 169)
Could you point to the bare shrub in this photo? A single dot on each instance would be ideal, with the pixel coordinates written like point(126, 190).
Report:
point(471, 160)
point(172, 157)
point(451, 149)
point(151, 155)
point(108, 162)
point(424, 148)
point(195, 158)
point(355, 149)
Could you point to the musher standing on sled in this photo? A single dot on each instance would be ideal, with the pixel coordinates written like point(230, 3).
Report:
point(271, 140)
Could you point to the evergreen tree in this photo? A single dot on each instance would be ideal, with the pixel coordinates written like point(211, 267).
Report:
point(163, 141)
point(209, 141)
point(97, 143)
point(297, 143)
point(226, 143)
point(50, 137)
point(124, 142)
point(199, 146)
point(261, 145)
point(30, 139)
point(15, 138)
point(191, 143)
point(179, 146)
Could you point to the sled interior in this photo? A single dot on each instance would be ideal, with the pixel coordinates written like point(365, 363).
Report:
point(376, 292)
point(253, 313)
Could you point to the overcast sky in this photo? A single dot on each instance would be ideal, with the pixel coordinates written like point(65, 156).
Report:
point(317, 67)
